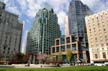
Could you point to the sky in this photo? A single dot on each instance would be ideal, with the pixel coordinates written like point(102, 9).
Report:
point(27, 9)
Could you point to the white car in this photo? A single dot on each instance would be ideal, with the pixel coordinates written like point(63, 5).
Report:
point(106, 64)
point(99, 64)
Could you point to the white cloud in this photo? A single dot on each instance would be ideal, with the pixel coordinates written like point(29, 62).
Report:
point(59, 5)
point(61, 17)
point(32, 4)
point(32, 7)
point(61, 20)
point(96, 5)
point(10, 6)
point(31, 13)
point(22, 3)
point(5, 1)
point(90, 3)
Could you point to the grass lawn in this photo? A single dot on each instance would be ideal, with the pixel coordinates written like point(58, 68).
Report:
point(76, 68)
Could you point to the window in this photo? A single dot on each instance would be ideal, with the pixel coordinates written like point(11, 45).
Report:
point(97, 49)
point(53, 50)
point(97, 18)
point(63, 48)
point(102, 48)
point(104, 29)
point(101, 44)
point(104, 55)
point(96, 39)
point(4, 47)
point(98, 24)
point(68, 39)
point(57, 42)
point(62, 41)
point(6, 39)
point(73, 46)
point(73, 38)
point(57, 49)
point(9, 48)
point(68, 46)
point(81, 56)
point(96, 56)
point(107, 44)
point(81, 39)
point(105, 36)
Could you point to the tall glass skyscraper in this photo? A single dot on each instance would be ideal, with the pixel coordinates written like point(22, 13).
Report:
point(43, 33)
point(76, 18)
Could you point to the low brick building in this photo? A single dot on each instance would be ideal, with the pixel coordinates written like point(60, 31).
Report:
point(69, 42)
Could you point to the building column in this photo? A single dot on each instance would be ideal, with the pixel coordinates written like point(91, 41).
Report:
point(77, 45)
point(33, 61)
point(29, 60)
point(91, 55)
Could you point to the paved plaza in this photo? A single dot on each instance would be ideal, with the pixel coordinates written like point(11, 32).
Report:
point(26, 66)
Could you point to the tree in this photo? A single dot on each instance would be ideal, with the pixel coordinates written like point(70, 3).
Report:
point(20, 56)
point(60, 57)
point(69, 55)
point(54, 58)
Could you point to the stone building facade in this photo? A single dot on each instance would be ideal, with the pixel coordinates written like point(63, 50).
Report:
point(10, 34)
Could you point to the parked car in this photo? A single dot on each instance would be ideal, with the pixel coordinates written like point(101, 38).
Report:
point(98, 64)
point(106, 64)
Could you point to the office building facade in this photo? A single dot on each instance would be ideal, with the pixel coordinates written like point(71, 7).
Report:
point(10, 34)
point(69, 42)
point(76, 21)
point(97, 30)
point(45, 29)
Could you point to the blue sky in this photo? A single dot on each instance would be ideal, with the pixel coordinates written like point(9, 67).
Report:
point(26, 9)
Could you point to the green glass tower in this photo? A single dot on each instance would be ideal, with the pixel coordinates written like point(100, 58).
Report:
point(43, 33)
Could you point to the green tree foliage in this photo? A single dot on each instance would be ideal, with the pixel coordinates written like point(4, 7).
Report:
point(69, 55)
point(60, 57)
point(20, 56)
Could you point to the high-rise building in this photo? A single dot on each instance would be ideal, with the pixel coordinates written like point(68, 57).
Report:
point(76, 21)
point(10, 34)
point(45, 29)
point(97, 30)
